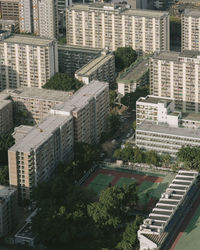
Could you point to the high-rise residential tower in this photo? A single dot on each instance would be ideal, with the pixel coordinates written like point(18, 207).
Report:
point(177, 75)
point(111, 26)
point(27, 61)
point(190, 25)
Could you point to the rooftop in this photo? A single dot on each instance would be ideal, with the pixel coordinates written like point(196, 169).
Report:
point(79, 49)
point(28, 40)
point(4, 100)
point(120, 8)
point(45, 94)
point(192, 12)
point(40, 133)
point(94, 64)
point(134, 72)
point(166, 129)
point(191, 116)
point(153, 100)
point(82, 96)
point(6, 191)
point(174, 56)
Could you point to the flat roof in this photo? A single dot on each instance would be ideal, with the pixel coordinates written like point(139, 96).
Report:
point(134, 72)
point(76, 48)
point(44, 94)
point(154, 100)
point(27, 40)
point(174, 56)
point(119, 8)
point(82, 96)
point(192, 12)
point(94, 64)
point(166, 129)
point(4, 100)
point(40, 133)
point(191, 116)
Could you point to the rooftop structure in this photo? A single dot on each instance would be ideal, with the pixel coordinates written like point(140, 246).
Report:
point(172, 205)
point(133, 77)
point(101, 68)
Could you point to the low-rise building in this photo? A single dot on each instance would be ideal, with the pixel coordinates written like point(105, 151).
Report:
point(6, 114)
point(153, 108)
point(134, 76)
point(32, 105)
point(71, 58)
point(10, 9)
point(8, 207)
point(174, 204)
point(101, 68)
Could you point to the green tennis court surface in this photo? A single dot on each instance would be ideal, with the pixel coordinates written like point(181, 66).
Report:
point(100, 182)
point(125, 181)
point(190, 239)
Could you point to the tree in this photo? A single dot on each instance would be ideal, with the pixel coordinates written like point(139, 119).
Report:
point(124, 57)
point(138, 155)
point(62, 81)
point(190, 156)
point(112, 95)
point(166, 159)
point(4, 175)
point(134, 126)
point(152, 157)
point(129, 239)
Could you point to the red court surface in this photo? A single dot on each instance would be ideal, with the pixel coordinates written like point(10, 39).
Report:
point(118, 174)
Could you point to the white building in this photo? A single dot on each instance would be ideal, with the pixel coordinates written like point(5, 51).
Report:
point(27, 61)
point(160, 226)
point(176, 75)
point(101, 25)
point(190, 29)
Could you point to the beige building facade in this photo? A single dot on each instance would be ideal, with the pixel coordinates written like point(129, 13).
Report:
point(33, 159)
point(101, 25)
point(190, 29)
point(32, 105)
point(27, 61)
point(177, 75)
point(10, 9)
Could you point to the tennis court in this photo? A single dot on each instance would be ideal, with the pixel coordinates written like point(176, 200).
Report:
point(150, 187)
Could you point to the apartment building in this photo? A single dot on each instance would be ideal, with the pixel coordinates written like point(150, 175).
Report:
point(6, 114)
point(48, 18)
point(32, 159)
point(10, 9)
point(8, 208)
point(190, 29)
point(27, 61)
point(158, 228)
point(101, 25)
point(32, 105)
point(177, 75)
point(134, 76)
point(89, 107)
point(71, 58)
point(101, 68)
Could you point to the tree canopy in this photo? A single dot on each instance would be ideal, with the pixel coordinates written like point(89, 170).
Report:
point(64, 82)
point(190, 156)
point(124, 57)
